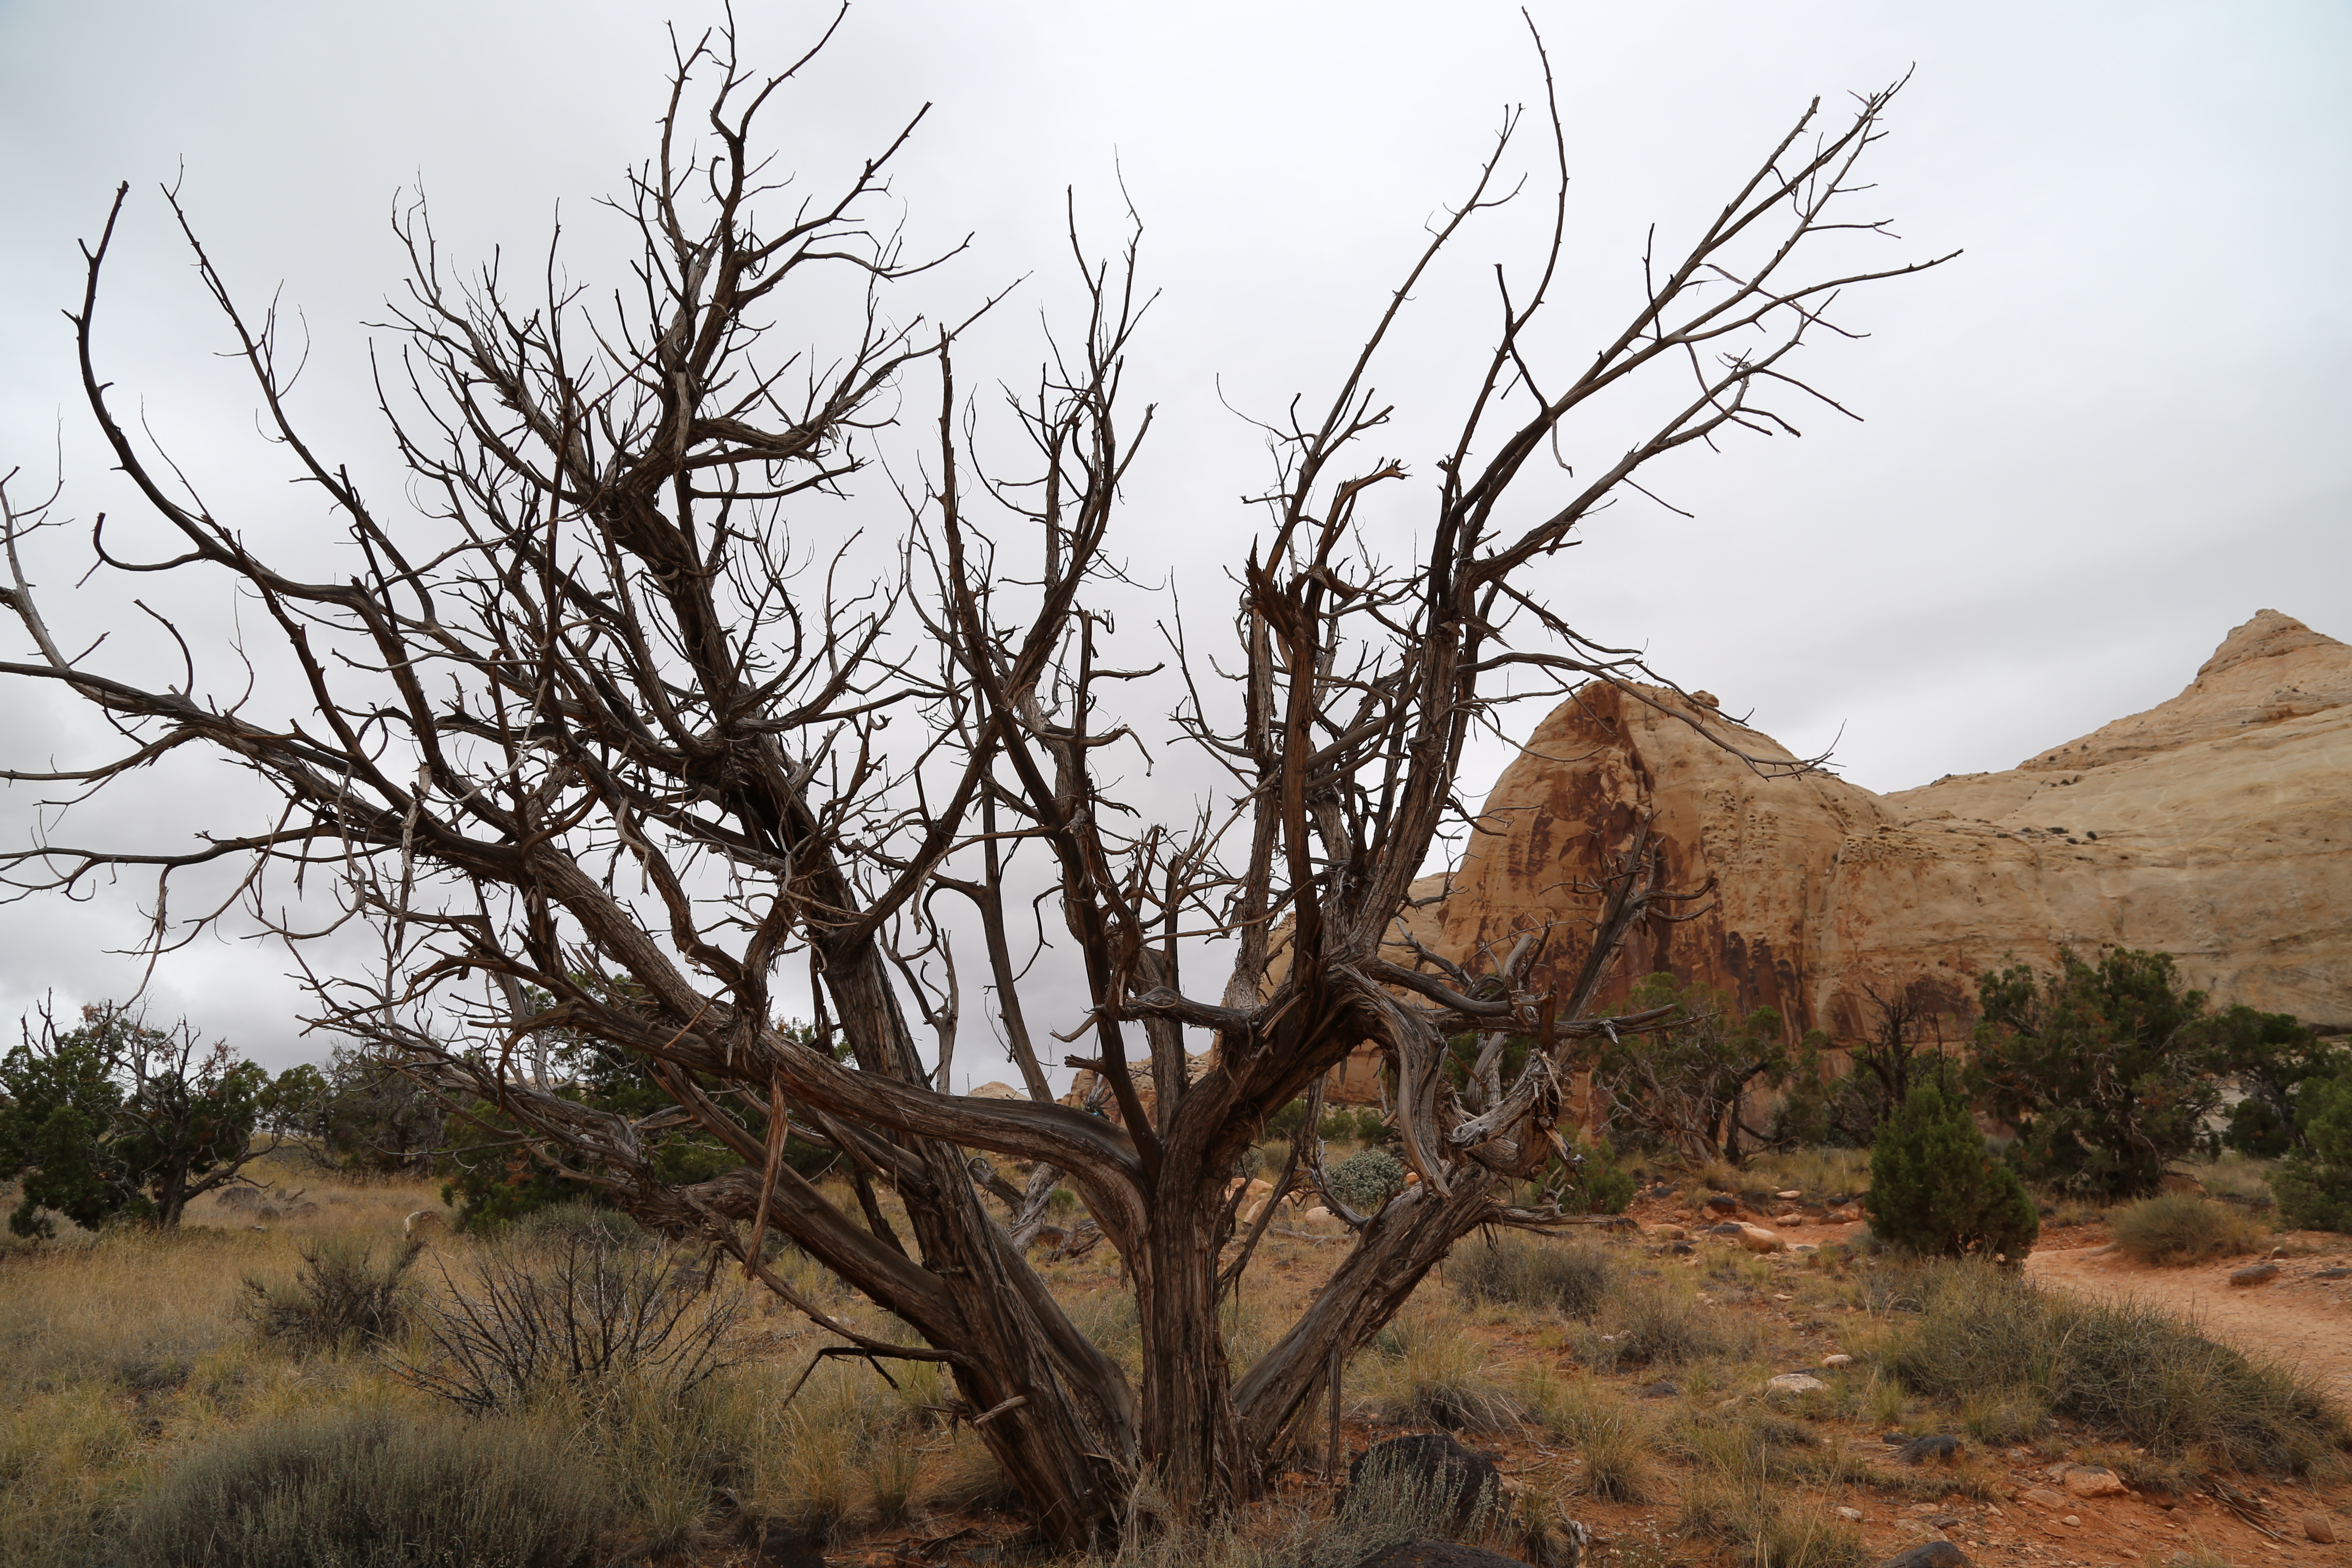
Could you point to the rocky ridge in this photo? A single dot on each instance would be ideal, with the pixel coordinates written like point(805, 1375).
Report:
point(2216, 826)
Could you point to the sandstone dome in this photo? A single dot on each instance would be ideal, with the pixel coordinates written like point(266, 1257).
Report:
point(2216, 826)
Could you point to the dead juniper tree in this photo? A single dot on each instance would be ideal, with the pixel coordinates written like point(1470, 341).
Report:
point(581, 720)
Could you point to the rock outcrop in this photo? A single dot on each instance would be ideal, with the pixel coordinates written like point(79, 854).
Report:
point(2216, 826)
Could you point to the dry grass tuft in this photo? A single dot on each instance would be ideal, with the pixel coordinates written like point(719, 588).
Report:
point(1425, 1370)
point(1658, 1324)
point(2175, 1228)
point(371, 1489)
point(1571, 1277)
point(1819, 1173)
point(2118, 1367)
point(1763, 1528)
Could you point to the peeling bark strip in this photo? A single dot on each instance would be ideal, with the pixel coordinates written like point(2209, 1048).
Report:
point(601, 756)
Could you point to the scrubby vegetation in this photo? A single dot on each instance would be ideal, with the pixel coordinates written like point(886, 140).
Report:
point(1511, 1271)
point(2182, 1227)
point(1935, 1189)
point(2314, 1183)
point(314, 1392)
point(2104, 1069)
point(2120, 1368)
point(369, 1488)
point(269, 1383)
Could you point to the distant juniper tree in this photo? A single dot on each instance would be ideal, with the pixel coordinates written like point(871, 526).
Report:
point(2105, 1069)
point(118, 1119)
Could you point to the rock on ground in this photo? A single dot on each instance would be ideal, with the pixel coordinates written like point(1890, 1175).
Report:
point(2092, 1480)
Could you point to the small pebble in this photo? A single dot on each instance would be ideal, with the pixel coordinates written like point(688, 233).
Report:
point(2074, 1520)
point(2320, 1528)
point(1841, 1359)
point(2259, 1274)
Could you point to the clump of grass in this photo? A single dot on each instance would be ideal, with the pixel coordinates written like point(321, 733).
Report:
point(2007, 1416)
point(369, 1489)
point(1818, 1172)
point(1564, 1276)
point(1425, 1371)
point(341, 1297)
point(1614, 1441)
point(1612, 1432)
point(2175, 1228)
point(1109, 1318)
point(1749, 1512)
point(2235, 1178)
point(2062, 1210)
point(1652, 1325)
point(2123, 1369)
point(1376, 1519)
point(969, 1480)
point(891, 1466)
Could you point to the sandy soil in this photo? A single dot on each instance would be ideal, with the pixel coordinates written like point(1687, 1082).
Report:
point(2298, 1320)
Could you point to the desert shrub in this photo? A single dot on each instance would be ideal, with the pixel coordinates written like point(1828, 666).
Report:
point(2104, 1069)
point(1682, 1085)
point(1366, 1179)
point(2271, 1056)
point(1934, 1188)
point(1284, 1122)
point(2182, 1227)
point(2124, 1369)
point(1591, 1181)
point(1353, 1124)
point(1393, 1498)
point(2313, 1185)
point(579, 1312)
point(340, 1296)
point(560, 1223)
point(368, 1489)
point(1511, 1271)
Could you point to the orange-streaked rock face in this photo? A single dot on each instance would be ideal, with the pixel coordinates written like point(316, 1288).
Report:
point(2224, 835)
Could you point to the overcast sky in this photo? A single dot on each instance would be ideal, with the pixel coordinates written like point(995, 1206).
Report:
point(2109, 432)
